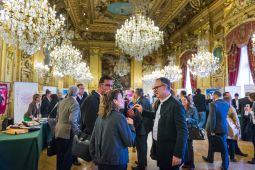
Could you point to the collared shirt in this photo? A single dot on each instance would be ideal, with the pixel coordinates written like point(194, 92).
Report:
point(237, 103)
point(80, 96)
point(157, 117)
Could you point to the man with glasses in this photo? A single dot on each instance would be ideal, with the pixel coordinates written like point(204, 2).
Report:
point(90, 107)
point(169, 130)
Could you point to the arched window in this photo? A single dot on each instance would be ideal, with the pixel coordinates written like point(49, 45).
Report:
point(244, 74)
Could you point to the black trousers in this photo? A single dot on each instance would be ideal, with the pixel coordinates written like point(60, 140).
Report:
point(112, 167)
point(218, 143)
point(141, 147)
point(189, 154)
point(170, 168)
point(231, 148)
point(64, 154)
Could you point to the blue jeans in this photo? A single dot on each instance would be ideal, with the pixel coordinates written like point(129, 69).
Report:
point(201, 119)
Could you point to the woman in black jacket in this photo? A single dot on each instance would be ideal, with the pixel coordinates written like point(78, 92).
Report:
point(112, 134)
point(192, 120)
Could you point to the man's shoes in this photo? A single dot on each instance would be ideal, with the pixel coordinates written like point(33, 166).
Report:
point(242, 154)
point(76, 163)
point(138, 168)
point(206, 159)
point(233, 160)
point(252, 161)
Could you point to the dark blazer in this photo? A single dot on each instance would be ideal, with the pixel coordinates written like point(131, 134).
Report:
point(110, 140)
point(233, 103)
point(32, 110)
point(192, 116)
point(89, 112)
point(45, 107)
point(80, 101)
point(143, 125)
point(172, 132)
point(199, 102)
point(217, 120)
point(242, 103)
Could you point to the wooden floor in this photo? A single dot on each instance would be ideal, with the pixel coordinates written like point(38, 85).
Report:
point(200, 148)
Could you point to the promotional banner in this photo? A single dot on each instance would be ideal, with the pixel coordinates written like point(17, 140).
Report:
point(51, 88)
point(3, 97)
point(233, 89)
point(64, 91)
point(211, 91)
point(23, 96)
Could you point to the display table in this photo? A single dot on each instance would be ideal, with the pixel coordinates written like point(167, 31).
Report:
point(21, 152)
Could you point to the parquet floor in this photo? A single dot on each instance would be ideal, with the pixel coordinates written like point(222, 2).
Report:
point(200, 148)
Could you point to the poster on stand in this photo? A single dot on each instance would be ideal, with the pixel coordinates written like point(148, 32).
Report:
point(51, 88)
point(3, 97)
point(23, 96)
point(233, 89)
point(249, 88)
point(211, 91)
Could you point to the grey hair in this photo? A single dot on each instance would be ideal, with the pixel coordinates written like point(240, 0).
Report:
point(73, 91)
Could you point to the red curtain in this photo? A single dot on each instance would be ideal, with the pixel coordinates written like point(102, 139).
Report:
point(183, 62)
point(233, 64)
point(251, 58)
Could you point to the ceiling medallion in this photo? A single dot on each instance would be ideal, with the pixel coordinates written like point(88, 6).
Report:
point(138, 36)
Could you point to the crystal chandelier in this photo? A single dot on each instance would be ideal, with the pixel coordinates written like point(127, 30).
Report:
point(138, 36)
point(122, 68)
point(203, 63)
point(82, 73)
point(30, 25)
point(41, 69)
point(57, 75)
point(65, 58)
point(150, 78)
point(172, 72)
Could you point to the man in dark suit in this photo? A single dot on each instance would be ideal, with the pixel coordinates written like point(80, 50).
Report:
point(90, 107)
point(169, 130)
point(200, 104)
point(235, 103)
point(143, 126)
point(217, 129)
point(244, 102)
point(82, 94)
point(46, 103)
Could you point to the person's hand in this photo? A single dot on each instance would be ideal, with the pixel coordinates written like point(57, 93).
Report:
point(176, 161)
point(130, 113)
point(130, 121)
point(139, 107)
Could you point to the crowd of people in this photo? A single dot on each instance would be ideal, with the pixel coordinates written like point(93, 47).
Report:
point(116, 122)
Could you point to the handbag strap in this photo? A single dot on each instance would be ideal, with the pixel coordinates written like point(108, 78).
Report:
point(53, 108)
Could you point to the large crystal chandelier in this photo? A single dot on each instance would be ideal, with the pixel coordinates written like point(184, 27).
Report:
point(203, 63)
point(30, 24)
point(150, 78)
point(172, 72)
point(138, 36)
point(65, 58)
point(82, 73)
point(41, 69)
point(57, 75)
point(122, 68)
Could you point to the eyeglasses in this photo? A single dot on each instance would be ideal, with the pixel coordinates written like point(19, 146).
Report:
point(156, 87)
point(108, 85)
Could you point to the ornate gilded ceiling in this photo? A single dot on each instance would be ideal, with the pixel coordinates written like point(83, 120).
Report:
point(99, 19)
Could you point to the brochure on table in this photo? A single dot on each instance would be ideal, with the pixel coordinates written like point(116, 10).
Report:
point(23, 95)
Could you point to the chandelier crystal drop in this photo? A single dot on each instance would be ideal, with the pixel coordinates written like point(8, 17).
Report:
point(30, 25)
point(172, 72)
point(139, 37)
point(41, 69)
point(150, 78)
point(122, 68)
point(57, 75)
point(65, 58)
point(82, 73)
point(203, 63)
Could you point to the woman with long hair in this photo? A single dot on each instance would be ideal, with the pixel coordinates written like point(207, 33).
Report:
point(192, 121)
point(34, 107)
point(112, 134)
